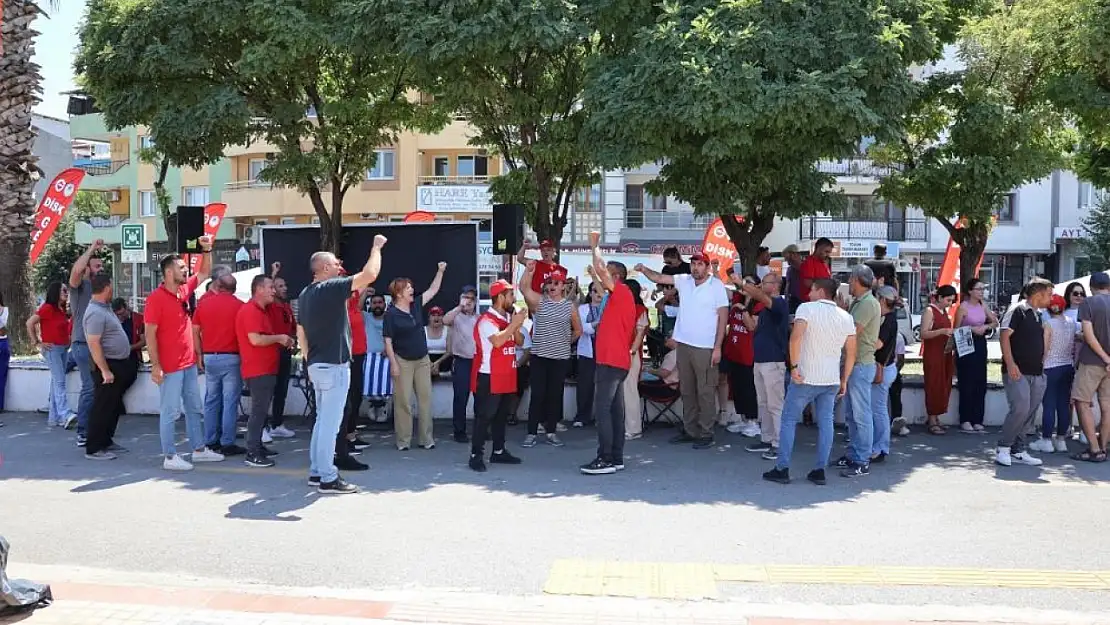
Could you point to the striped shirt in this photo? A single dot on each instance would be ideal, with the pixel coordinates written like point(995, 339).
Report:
point(551, 331)
point(1061, 350)
point(827, 328)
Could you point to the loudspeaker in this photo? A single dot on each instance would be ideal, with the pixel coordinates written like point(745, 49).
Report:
point(190, 227)
point(508, 228)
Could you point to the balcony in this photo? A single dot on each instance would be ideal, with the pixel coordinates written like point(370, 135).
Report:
point(665, 220)
point(835, 228)
point(454, 180)
point(860, 168)
point(105, 175)
point(102, 168)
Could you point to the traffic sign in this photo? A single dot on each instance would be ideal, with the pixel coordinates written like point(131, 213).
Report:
point(133, 243)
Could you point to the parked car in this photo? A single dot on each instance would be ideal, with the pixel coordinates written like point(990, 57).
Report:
point(905, 326)
point(915, 329)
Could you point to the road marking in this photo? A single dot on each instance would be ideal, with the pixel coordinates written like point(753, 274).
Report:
point(699, 581)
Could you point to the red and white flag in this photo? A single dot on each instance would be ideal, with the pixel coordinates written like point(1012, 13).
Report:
point(59, 195)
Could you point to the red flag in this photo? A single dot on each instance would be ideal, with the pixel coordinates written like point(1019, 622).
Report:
point(717, 245)
point(213, 217)
point(59, 195)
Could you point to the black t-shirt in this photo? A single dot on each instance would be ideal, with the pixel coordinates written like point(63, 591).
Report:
point(888, 334)
point(406, 329)
point(683, 267)
point(883, 268)
point(1026, 338)
point(322, 308)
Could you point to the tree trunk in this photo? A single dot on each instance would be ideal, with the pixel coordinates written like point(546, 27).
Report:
point(747, 236)
point(162, 197)
point(542, 221)
point(329, 238)
point(20, 84)
point(973, 242)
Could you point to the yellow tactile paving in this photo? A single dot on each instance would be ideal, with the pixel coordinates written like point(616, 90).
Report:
point(699, 581)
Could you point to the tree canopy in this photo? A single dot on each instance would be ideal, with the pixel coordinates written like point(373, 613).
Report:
point(208, 74)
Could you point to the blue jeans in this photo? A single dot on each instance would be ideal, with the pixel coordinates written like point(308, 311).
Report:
point(798, 396)
point(83, 358)
point(331, 383)
point(861, 428)
point(223, 386)
point(880, 410)
point(1057, 401)
point(180, 389)
point(55, 358)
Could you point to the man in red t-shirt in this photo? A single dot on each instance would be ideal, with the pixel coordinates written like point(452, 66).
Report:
point(497, 333)
point(815, 266)
point(259, 351)
point(283, 321)
point(544, 267)
point(173, 362)
point(217, 352)
point(613, 358)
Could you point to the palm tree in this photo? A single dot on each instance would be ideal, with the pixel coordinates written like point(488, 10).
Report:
point(20, 88)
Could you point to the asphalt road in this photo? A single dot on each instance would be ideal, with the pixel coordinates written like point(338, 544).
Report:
point(426, 522)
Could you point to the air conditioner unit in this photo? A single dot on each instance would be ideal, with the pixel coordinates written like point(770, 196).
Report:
point(114, 195)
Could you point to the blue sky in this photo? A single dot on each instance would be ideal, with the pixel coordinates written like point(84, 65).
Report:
point(54, 52)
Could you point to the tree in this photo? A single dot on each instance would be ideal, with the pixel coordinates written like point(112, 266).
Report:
point(516, 71)
point(294, 74)
point(20, 86)
point(62, 250)
point(977, 133)
point(1096, 230)
point(741, 99)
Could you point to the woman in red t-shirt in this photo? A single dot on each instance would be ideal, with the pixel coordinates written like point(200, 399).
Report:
point(738, 364)
point(633, 421)
point(49, 328)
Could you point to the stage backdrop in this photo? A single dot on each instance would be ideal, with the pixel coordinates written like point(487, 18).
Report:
point(412, 252)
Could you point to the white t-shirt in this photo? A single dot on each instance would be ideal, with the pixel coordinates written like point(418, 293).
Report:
point(827, 328)
point(761, 271)
point(697, 310)
point(526, 330)
point(585, 347)
point(486, 329)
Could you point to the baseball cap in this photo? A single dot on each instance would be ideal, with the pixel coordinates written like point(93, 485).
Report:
point(790, 249)
point(546, 243)
point(1100, 280)
point(497, 288)
point(699, 257)
point(435, 310)
point(1057, 304)
point(470, 288)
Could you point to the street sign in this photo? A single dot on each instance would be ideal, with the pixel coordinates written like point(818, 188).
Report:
point(133, 243)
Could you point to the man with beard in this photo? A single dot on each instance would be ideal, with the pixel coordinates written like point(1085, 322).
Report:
point(462, 319)
point(493, 380)
point(283, 322)
point(378, 383)
point(80, 293)
point(173, 362)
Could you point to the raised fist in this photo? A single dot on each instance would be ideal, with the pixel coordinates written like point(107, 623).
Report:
point(205, 243)
point(442, 266)
point(98, 245)
point(595, 239)
point(639, 267)
point(379, 240)
point(276, 267)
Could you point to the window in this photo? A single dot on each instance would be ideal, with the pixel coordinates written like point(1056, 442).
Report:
point(194, 196)
point(441, 166)
point(588, 199)
point(146, 204)
point(146, 142)
point(1005, 212)
point(285, 221)
point(255, 167)
point(473, 166)
point(383, 166)
point(638, 199)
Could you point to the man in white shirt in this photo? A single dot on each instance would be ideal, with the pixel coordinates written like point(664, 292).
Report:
point(699, 332)
point(818, 375)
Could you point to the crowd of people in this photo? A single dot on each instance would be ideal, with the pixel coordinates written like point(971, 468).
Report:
point(783, 348)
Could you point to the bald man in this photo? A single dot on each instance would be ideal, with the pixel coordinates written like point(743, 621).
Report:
point(324, 333)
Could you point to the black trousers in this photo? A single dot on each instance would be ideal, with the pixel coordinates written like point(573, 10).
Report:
point(354, 402)
point(548, 378)
point(281, 388)
point(262, 392)
point(896, 396)
point(490, 414)
point(107, 403)
point(585, 390)
point(971, 375)
point(742, 380)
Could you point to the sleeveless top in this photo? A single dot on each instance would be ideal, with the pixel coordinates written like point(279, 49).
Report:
point(551, 331)
point(1061, 351)
point(975, 315)
point(934, 347)
point(436, 346)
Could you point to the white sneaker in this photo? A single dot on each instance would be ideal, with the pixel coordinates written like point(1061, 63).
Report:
point(266, 437)
point(1024, 457)
point(735, 428)
point(560, 427)
point(967, 428)
point(750, 429)
point(176, 463)
point(282, 432)
point(207, 455)
point(905, 431)
point(1060, 445)
point(1043, 445)
point(1002, 456)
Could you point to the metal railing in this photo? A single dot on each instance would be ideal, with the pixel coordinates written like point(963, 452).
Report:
point(855, 167)
point(665, 220)
point(112, 221)
point(839, 228)
point(102, 168)
point(449, 180)
point(239, 185)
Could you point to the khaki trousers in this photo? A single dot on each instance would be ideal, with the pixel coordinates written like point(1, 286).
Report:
point(697, 379)
point(415, 376)
point(770, 392)
point(633, 418)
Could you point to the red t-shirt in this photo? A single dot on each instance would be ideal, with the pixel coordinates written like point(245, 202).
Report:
point(543, 271)
point(358, 328)
point(53, 325)
point(812, 268)
point(739, 346)
point(174, 338)
point(215, 316)
point(255, 361)
point(281, 318)
point(617, 328)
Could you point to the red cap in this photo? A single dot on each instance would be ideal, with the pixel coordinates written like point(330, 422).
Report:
point(435, 310)
point(1057, 304)
point(699, 257)
point(497, 288)
point(546, 243)
point(557, 275)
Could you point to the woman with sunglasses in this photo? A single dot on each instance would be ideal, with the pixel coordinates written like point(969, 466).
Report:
point(971, 370)
point(1074, 295)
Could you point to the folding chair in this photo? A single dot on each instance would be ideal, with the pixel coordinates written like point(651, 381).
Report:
point(298, 376)
point(662, 398)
